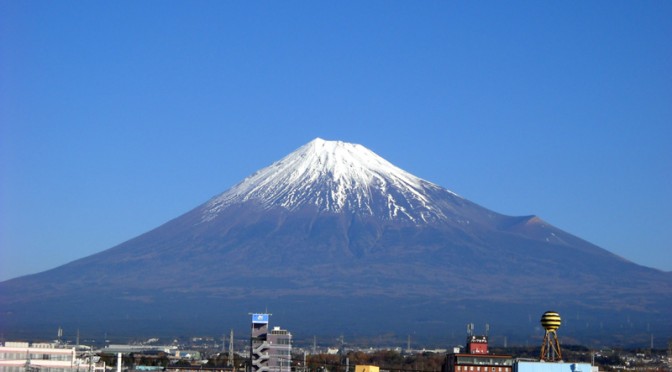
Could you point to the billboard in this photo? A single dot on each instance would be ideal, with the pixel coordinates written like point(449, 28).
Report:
point(259, 318)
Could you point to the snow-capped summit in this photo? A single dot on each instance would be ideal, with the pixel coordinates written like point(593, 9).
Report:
point(336, 176)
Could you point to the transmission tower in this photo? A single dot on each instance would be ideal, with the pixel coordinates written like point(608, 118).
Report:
point(230, 361)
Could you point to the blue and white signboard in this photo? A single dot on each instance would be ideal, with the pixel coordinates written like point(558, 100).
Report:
point(259, 318)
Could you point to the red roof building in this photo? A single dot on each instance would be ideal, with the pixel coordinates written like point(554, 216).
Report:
point(477, 358)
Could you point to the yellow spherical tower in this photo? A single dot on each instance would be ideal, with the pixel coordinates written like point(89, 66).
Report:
point(550, 348)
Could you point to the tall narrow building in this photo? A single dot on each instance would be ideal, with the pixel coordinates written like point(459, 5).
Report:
point(269, 351)
point(259, 346)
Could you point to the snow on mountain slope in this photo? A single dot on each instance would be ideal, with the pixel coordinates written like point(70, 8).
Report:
point(336, 176)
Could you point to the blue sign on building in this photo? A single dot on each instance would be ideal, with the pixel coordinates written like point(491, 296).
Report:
point(259, 318)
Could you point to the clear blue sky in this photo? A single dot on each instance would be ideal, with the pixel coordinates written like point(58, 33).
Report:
point(117, 116)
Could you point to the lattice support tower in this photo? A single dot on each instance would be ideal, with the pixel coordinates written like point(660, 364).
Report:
point(550, 347)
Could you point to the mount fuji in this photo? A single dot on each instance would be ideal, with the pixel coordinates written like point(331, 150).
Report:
point(333, 239)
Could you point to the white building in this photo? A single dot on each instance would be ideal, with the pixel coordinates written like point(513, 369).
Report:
point(44, 357)
point(527, 366)
point(280, 353)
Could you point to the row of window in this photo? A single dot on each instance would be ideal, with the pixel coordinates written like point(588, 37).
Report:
point(482, 369)
point(485, 361)
point(34, 356)
point(33, 369)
